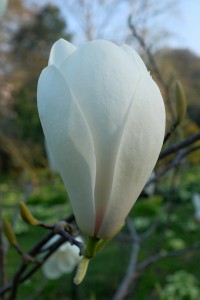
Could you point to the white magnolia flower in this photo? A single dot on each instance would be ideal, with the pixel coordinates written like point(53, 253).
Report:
point(196, 203)
point(104, 120)
point(63, 260)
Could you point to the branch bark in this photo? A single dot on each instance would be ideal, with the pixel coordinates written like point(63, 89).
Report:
point(153, 63)
point(158, 257)
point(128, 280)
point(177, 146)
point(21, 275)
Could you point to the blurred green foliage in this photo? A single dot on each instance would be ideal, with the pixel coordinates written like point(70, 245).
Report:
point(177, 229)
point(31, 46)
point(181, 285)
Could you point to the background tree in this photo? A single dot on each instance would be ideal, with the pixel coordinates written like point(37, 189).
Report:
point(28, 55)
point(31, 46)
point(162, 224)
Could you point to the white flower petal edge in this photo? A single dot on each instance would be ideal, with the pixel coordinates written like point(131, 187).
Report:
point(139, 149)
point(51, 268)
point(70, 143)
point(135, 57)
point(51, 163)
point(60, 51)
point(69, 256)
point(103, 79)
point(63, 260)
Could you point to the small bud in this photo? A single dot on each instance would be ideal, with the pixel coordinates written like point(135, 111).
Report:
point(27, 216)
point(9, 232)
point(181, 103)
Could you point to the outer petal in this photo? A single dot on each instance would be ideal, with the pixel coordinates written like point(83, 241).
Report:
point(136, 58)
point(60, 51)
point(69, 258)
point(138, 152)
point(70, 143)
point(103, 78)
point(51, 268)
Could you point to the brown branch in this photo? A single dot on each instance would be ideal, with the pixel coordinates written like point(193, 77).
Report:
point(153, 63)
point(128, 280)
point(146, 49)
point(38, 265)
point(168, 134)
point(175, 162)
point(177, 146)
point(158, 257)
point(180, 155)
point(16, 280)
point(20, 275)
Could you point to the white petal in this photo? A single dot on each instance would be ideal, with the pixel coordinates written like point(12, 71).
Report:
point(136, 58)
point(103, 78)
point(69, 256)
point(60, 51)
point(68, 261)
point(70, 143)
point(51, 163)
point(50, 268)
point(138, 152)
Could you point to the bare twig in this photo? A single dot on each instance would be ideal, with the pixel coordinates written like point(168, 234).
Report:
point(160, 256)
point(180, 155)
point(128, 280)
point(21, 275)
point(16, 280)
point(153, 64)
point(177, 146)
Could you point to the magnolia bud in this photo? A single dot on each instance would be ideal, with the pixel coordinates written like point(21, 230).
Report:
point(104, 121)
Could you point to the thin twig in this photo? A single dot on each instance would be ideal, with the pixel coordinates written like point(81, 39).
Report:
point(175, 162)
point(128, 280)
point(20, 274)
point(153, 63)
point(160, 256)
point(177, 146)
